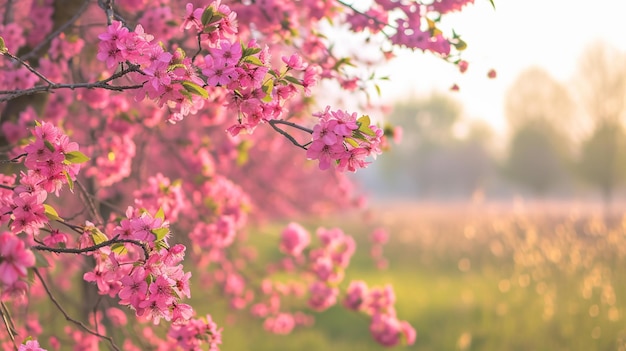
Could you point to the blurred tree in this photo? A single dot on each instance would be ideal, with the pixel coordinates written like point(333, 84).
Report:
point(603, 158)
point(535, 157)
point(602, 88)
point(432, 160)
point(538, 109)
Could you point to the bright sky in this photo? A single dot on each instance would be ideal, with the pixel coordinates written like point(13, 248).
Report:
point(519, 34)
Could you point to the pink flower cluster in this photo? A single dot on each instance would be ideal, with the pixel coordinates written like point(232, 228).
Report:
point(294, 239)
point(52, 161)
point(339, 138)
point(165, 71)
point(161, 193)
point(15, 259)
point(379, 303)
point(30, 345)
point(197, 332)
point(153, 289)
point(328, 263)
point(446, 6)
point(379, 238)
point(49, 158)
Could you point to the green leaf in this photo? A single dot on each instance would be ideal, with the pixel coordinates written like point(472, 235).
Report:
point(48, 145)
point(70, 182)
point(249, 51)
point(3, 47)
point(195, 89)
point(253, 60)
point(160, 214)
point(40, 260)
point(460, 45)
point(207, 14)
point(98, 236)
point(76, 157)
point(364, 125)
point(51, 213)
point(268, 87)
point(293, 80)
point(351, 142)
point(161, 245)
point(160, 233)
point(119, 248)
point(492, 4)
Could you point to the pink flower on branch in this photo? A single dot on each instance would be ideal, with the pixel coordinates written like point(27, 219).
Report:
point(15, 259)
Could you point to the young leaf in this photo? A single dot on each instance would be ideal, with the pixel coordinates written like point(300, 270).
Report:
point(98, 236)
point(160, 233)
point(351, 142)
point(253, 60)
point(70, 182)
point(51, 213)
point(76, 157)
point(364, 125)
point(493, 4)
point(119, 248)
point(160, 214)
point(49, 145)
point(293, 80)
point(268, 87)
point(3, 47)
point(195, 89)
point(207, 15)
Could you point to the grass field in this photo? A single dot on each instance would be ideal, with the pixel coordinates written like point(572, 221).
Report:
point(473, 277)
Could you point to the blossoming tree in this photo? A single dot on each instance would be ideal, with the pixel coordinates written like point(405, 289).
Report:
point(136, 133)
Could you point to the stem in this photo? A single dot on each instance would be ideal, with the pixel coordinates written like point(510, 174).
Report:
point(376, 20)
point(90, 202)
point(2, 186)
point(107, 6)
point(8, 324)
point(14, 159)
point(104, 84)
point(115, 240)
point(273, 123)
point(70, 319)
point(25, 64)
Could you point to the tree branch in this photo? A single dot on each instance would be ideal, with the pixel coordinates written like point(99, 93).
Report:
point(70, 319)
point(115, 240)
point(274, 122)
point(104, 84)
point(56, 33)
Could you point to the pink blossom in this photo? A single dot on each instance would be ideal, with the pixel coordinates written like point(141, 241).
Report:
point(294, 239)
point(281, 324)
point(30, 345)
point(15, 258)
point(322, 296)
point(356, 294)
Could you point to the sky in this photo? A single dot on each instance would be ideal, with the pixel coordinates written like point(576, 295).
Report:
point(551, 34)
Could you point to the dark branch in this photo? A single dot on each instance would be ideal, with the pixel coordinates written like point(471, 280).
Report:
point(70, 319)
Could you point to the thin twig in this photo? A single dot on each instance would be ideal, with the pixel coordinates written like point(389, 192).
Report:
point(115, 240)
point(2, 186)
point(104, 84)
point(273, 123)
point(90, 202)
point(70, 319)
point(8, 324)
point(56, 33)
point(28, 67)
